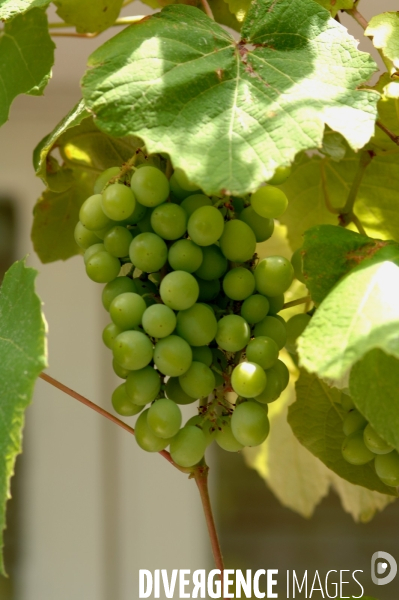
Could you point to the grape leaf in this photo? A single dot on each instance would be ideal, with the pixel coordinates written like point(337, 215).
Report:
point(334, 6)
point(360, 313)
point(26, 58)
point(384, 30)
point(22, 358)
point(90, 16)
point(12, 8)
point(229, 113)
point(388, 111)
point(374, 385)
point(358, 501)
point(316, 420)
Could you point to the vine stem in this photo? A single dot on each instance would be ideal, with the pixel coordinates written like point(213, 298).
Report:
point(296, 302)
point(390, 134)
point(207, 9)
point(353, 12)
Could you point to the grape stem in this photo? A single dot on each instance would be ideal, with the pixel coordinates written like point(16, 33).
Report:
point(390, 134)
point(207, 9)
point(303, 300)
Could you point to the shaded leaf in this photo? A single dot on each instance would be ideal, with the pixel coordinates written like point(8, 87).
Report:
point(22, 358)
point(89, 16)
point(362, 504)
point(12, 8)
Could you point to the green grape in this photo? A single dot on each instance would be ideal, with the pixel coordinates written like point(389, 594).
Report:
point(205, 226)
point(122, 403)
point(347, 402)
point(101, 233)
point(92, 250)
point(132, 350)
point(248, 380)
point(274, 328)
point(208, 290)
point(145, 286)
point(262, 228)
point(198, 380)
point(159, 321)
point(172, 356)
point(118, 202)
point(191, 203)
point(387, 468)
point(104, 177)
point(255, 308)
point(188, 446)
point(355, 451)
point(274, 386)
point(276, 303)
point(233, 333)
point(269, 202)
point(117, 241)
point(109, 334)
point(374, 442)
point(296, 325)
point(148, 252)
point(250, 424)
point(164, 418)
point(169, 221)
point(238, 283)
point(183, 180)
point(144, 224)
point(238, 242)
point(119, 370)
point(84, 237)
point(197, 325)
point(281, 174)
point(263, 351)
point(102, 267)
point(296, 261)
point(144, 435)
point(354, 421)
point(225, 438)
point(273, 275)
point(283, 373)
point(202, 354)
point(219, 359)
point(184, 255)
point(91, 214)
point(143, 385)
point(207, 427)
point(175, 392)
point(126, 310)
point(117, 286)
point(179, 290)
point(150, 186)
point(178, 192)
point(213, 265)
point(137, 215)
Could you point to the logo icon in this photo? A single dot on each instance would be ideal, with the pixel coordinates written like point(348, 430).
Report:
point(381, 567)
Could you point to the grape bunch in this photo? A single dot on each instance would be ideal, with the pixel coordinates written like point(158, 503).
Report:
point(194, 313)
point(363, 444)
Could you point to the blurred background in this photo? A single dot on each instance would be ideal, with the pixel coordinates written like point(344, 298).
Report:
point(89, 508)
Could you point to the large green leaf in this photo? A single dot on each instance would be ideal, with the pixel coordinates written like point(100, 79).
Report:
point(229, 113)
point(22, 358)
point(11, 8)
point(26, 58)
point(361, 313)
point(316, 419)
point(89, 16)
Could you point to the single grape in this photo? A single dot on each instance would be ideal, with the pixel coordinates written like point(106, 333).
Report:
point(262, 228)
point(248, 380)
point(109, 334)
point(276, 303)
point(205, 226)
point(207, 427)
point(296, 261)
point(283, 373)
point(255, 308)
point(118, 202)
point(274, 386)
point(91, 214)
point(184, 181)
point(148, 252)
point(188, 447)
point(269, 202)
point(150, 186)
point(347, 402)
point(273, 275)
point(191, 203)
point(198, 380)
point(281, 174)
point(233, 333)
point(132, 350)
point(126, 310)
point(296, 325)
point(103, 179)
point(92, 250)
point(354, 421)
point(238, 242)
point(355, 451)
point(164, 418)
point(374, 442)
point(387, 468)
point(84, 237)
point(184, 255)
point(122, 403)
point(238, 283)
point(263, 351)
point(225, 438)
point(159, 321)
point(197, 325)
point(117, 241)
point(145, 437)
point(117, 286)
point(213, 265)
point(179, 290)
point(172, 356)
point(102, 267)
point(208, 290)
point(169, 221)
point(119, 370)
point(250, 424)
point(175, 392)
point(274, 328)
point(202, 354)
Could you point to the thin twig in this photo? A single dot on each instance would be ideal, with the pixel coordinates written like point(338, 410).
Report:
point(297, 302)
point(390, 134)
point(207, 9)
point(356, 221)
point(353, 12)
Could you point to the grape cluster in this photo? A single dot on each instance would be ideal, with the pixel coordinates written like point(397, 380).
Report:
point(363, 444)
point(193, 311)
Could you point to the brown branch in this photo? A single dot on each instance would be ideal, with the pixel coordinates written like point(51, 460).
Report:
point(207, 9)
point(353, 12)
point(390, 134)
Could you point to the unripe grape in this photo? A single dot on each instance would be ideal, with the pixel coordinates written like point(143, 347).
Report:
point(169, 221)
point(104, 177)
point(387, 468)
point(132, 350)
point(91, 214)
point(238, 283)
point(225, 438)
point(143, 385)
point(205, 226)
point(188, 447)
point(198, 380)
point(354, 421)
point(122, 403)
point(263, 351)
point(191, 203)
point(281, 174)
point(148, 252)
point(273, 275)
point(185, 255)
point(262, 228)
point(179, 290)
point(248, 380)
point(159, 321)
point(172, 356)
point(102, 267)
point(146, 438)
point(164, 418)
point(238, 242)
point(274, 328)
point(250, 424)
point(374, 442)
point(255, 308)
point(233, 333)
point(269, 202)
point(150, 186)
point(118, 202)
point(117, 286)
point(84, 237)
point(175, 392)
point(355, 451)
point(213, 265)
